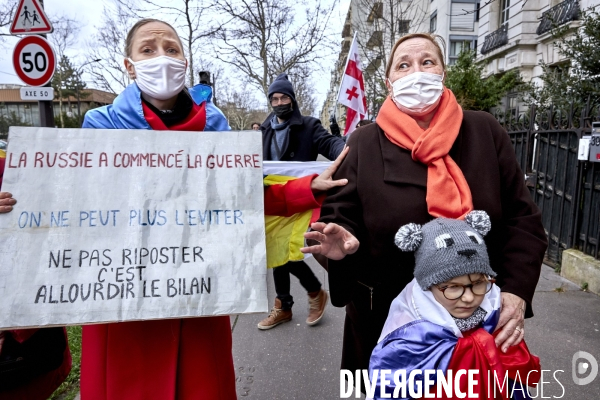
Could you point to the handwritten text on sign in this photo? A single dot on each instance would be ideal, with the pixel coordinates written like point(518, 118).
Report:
point(129, 225)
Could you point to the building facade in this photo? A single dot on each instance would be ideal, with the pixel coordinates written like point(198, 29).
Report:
point(515, 35)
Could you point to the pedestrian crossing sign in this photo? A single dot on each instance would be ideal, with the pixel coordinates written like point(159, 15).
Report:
point(30, 19)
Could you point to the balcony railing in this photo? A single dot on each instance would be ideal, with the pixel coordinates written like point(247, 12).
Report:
point(495, 39)
point(376, 12)
point(375, 40)
point(561, 13)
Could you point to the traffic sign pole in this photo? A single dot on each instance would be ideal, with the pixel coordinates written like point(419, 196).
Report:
point(46, 106)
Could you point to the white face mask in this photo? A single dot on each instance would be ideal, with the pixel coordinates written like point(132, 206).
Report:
point(160, 77)
point(417, 93)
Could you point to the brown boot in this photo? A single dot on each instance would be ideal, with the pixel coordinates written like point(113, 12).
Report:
point(276, 317)
point(317, 302)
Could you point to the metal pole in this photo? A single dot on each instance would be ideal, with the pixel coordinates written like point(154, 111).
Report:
point(78, 107)
point(46, 106)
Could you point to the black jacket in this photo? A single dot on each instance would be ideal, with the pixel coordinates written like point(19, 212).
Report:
point(387, 189)
point(308, 138)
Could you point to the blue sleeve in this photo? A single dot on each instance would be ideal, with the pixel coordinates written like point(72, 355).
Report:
point(98, 118)
point(215, 119)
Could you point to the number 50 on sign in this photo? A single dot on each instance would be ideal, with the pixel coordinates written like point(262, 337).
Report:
point(34, 60)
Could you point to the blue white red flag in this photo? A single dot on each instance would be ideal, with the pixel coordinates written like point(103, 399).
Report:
point(419, 334)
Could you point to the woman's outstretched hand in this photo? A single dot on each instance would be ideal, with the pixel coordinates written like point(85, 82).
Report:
point(324, 182)
point(335, 241)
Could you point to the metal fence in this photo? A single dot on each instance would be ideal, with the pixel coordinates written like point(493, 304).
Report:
point(566, 190)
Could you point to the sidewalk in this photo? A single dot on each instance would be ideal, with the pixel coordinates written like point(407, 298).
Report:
point(296, 361)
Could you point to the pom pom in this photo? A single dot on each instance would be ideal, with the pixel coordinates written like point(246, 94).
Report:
point(409, 237)
point(480, 221)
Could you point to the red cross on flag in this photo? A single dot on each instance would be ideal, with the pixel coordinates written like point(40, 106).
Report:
point(352, 90)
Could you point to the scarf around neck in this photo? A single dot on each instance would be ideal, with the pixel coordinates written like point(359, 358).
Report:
point(448, 193)
point(279, 142)
point(466, 324)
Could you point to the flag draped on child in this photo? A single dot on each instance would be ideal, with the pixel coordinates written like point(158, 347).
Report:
point(352, 90)
point(284, 227)
point(420, 334)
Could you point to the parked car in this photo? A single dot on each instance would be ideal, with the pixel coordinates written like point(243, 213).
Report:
point(3, 144)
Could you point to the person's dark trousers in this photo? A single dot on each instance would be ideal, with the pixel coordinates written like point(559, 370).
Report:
point(281, 276)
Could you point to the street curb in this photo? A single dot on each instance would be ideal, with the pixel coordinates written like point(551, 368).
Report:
point(581, 269)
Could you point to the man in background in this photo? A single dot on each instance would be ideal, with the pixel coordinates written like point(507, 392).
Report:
point(290, 136)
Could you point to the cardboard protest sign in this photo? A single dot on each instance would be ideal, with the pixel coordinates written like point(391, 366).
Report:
point(120, 225)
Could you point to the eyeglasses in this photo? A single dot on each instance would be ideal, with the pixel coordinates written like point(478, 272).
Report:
point(280, 100)
point(479, 288)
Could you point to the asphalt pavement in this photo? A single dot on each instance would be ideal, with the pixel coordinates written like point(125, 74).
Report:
point(297, 361)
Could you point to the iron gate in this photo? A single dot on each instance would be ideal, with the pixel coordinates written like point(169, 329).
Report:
point(566, 190)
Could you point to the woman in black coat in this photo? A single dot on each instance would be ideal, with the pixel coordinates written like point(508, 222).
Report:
point(390, 185)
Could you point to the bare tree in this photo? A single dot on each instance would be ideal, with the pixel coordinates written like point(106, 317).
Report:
point(108, 46)
point(241, 109)
point(64, 36)
point(379, 23)
point(7, 10)
point(300, 79)
point(264, 37)
point(193, 20)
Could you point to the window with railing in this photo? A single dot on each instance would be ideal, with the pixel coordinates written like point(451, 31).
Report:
point(560, 14)
point(376, 12)
point(375, 40)
point(496, 39)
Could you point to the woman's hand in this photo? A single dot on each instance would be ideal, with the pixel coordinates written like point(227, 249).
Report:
point(323, 182)
point(335, 241)
point(512, 321)
point(6, 202)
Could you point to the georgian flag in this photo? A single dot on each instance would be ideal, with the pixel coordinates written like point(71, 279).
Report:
point(352, 90)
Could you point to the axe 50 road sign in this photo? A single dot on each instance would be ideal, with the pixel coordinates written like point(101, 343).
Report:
point(34, 60)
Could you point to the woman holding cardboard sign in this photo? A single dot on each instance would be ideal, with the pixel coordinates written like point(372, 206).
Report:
point(161, 359)
point(177, 358)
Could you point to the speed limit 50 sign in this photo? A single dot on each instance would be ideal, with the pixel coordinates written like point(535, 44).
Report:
point(34, 60)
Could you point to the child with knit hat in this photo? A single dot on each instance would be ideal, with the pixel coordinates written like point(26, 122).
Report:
point(444, 320)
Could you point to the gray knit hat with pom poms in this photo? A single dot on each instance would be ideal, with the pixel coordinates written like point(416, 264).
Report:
point(446, 248)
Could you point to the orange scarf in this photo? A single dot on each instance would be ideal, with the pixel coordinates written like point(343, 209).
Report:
point(448, 193)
